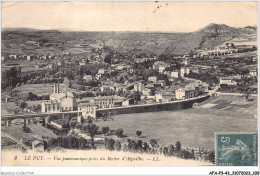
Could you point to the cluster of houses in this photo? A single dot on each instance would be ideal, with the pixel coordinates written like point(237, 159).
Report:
point(114, 67)
point(150, 89)
point(225, 49)
point(61, 101)
point(27, 57)
point(192, 90)
point(232, 80)
point(67, 101)
point(141, 60)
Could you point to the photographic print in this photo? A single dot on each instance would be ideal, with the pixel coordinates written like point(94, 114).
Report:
point(129, 83)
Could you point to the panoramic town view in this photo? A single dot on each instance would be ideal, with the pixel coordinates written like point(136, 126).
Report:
point(159, 93)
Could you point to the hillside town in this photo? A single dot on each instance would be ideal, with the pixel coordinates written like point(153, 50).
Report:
point(108, 81)
point(60, 98)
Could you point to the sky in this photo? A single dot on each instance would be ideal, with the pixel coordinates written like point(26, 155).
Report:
point(127, 16)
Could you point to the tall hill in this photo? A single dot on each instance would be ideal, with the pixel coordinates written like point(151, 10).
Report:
point(16, 40)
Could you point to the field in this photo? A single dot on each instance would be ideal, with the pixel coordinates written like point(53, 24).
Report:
point(229, 105)
point(7, 142)
point(14, 133)
point(41, 89)
point(191, 129)
point(245, 40)
point(25, 65)
point(38, 89)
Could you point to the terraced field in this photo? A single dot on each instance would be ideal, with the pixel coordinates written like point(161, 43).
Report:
point(235, 106)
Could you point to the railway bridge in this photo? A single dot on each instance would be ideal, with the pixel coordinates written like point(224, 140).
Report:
point(28, 117)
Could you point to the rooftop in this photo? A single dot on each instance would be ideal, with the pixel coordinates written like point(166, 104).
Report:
point(104, 97)
point(84, 104)
point(61, 95)
point(50, 101)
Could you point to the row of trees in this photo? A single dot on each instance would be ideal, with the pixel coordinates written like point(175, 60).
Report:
point(45, 80)
point(69, 142)
point(153, 148)
point(205, 77)
point(139, 146)
point(13, 76)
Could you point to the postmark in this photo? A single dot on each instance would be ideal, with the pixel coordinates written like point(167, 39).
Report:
point(236, 149)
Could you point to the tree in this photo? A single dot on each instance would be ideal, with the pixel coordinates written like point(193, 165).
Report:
point(59, 141)
point(178, 146)
point(73, 142)
point(119, 132)
point(186, 154)
point(137, 96)
point(108, 58)
point(51, 142)
point(45, 144)
point(125, 148)
point(192, 154)
point(82, 143)
point(32, 96)
point(79, 126)
point(165, 151)
point(110, 144)
point(65, 142)
point(11, 78)
point(132, 146)
point(118, 146)
point(145, 147)
point(66, 123)
point(211, 156)
point(73, 124)
point(48, 119)
point(89, 120)
point(128, 141)
point(162, 57)
point(26, 129)
point(138, 133)
point(43, 122)
point(23, 105)
point(247, 95)
point(153, 142)
point(81, 119)
point(92, 129)
point(171, 149)
point(139, 144)
point(85, 126)
point(105, 130)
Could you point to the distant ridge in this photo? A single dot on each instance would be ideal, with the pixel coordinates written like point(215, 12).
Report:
point(19, 29)
point(28, 30)
point(207, 27)
point(152, 43)
point(251, 27)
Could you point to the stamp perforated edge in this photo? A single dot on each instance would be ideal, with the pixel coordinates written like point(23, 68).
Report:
point(216, 142)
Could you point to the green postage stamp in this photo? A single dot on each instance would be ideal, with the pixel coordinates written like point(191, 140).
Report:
point(236, 149)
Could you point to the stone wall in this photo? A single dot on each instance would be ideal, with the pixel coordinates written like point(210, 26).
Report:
point(170, 106)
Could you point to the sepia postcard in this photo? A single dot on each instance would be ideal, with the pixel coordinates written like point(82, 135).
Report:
point(156, 83)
